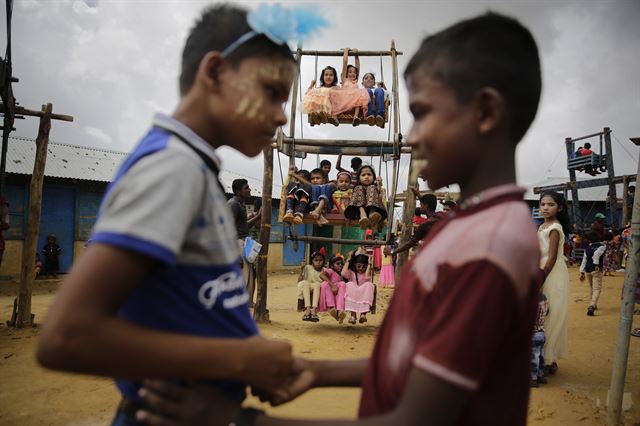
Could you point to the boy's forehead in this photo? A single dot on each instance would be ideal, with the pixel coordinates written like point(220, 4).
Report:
point(272, 69)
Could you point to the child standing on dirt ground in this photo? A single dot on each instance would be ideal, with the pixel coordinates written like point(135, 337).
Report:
point(537, 343)
point(591, 266)
point(51, 252)
point(309, 280)
point(454, 347)
point(159, 292)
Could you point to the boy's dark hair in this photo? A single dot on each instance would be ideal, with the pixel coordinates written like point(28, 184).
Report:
point(304, 173)
point(417, 211)
point(490, 50)
point(237, 185)
point(335, 78)
point(319, 171)
point(429, 200)
point(587, 145)
point(563, 212)
point(325, 163)
point(593, 237)
point(356, 162)
point(218, 27)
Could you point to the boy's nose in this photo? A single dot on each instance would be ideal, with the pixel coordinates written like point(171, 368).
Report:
point(280, 118)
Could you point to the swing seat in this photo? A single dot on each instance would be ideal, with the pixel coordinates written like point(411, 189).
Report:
point(591, 161)
point(372, 311)
point(347, 117)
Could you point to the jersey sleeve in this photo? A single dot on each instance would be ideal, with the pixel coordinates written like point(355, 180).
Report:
point(462, 335)
point(151, 207)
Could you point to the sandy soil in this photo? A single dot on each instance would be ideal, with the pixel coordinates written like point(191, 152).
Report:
point(30, 395)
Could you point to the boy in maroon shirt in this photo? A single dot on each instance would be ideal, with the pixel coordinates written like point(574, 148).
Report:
point(454, 347)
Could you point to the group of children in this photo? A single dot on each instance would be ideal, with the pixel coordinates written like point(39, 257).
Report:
point(325, 102)
point(356, 194)
point(344, 287)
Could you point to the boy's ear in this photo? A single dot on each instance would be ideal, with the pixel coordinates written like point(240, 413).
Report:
point(491, 110)
point(211, 68)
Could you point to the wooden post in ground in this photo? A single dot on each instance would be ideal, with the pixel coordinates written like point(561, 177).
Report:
point(29, 248)
point(613, 197)
point(625, 207)
point(260, 312)
point(407, 216)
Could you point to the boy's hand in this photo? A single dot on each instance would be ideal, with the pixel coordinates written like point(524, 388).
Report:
point(302, 265)
point(173, 405)
point(268, 363)
point(581, 276)
point(303, 378)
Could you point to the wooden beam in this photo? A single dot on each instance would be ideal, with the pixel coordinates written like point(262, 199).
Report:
point(31, 113)
point(588, 136)
point(29, 248)
point(336, 150)
point(260, 311)
point(341, 52)
point(581, 184)
point(356, 143)
point(613, 207)
point(308, 238)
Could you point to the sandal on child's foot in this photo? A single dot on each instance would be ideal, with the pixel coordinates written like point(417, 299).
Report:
point(363, 319)
point(374, 219)
point(380, 121)
point(288, 216)
point(363, 222)
point(297, 218)
point(314, 318)
point(356, 121)
point(323, 117)
point(334, 313)
point(352, 320)
point(371, 120)
point(334, 121)
point(306, 317)
point(341, 316)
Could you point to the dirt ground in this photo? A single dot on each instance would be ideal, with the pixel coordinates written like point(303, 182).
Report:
point(30, 395)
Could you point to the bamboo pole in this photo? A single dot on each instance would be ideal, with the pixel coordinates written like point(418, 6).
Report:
point(625, 194)
point(27, 272)
point(260, 312)
point(341, 52)
point(621, 356)
point(312, 239)
point(613, 205)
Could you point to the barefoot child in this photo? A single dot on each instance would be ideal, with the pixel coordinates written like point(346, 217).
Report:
point(159, 291)
point(366, 203)
point(454, 347)
point(551, 234)
point(332, 291)
point(316, 101)
point(349, 96)
point(309, 280)
point(360, 289)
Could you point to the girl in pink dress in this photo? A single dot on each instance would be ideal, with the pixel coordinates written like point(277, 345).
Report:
point(332, 292)
point(360, 289)
point(317, 102)
point(350, 95)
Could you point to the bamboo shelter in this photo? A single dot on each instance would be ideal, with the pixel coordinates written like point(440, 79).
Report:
point(292, 147)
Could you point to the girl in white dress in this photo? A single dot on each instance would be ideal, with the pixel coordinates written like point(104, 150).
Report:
point(551, 235)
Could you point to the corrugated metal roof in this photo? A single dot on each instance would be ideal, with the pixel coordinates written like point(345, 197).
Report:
point(84, 163)
point(598, 193)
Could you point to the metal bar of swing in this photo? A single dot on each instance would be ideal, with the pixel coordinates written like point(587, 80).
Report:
point(581, 184)
point(335, 150)
point(587, 136)
point(358, 143)
point(351, 53)
point(308, 238)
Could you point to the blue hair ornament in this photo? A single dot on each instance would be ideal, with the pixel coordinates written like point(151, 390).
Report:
point(281, 25)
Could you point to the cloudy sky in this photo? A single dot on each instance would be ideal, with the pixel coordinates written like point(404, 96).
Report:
point(113, 63)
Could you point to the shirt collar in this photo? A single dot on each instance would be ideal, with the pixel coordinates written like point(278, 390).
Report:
point(509, 189)
point(169, 123)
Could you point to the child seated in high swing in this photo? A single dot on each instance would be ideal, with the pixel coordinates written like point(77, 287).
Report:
point(359, 289)
point(333, 290)
point(316, 101)
point(376, 109)
point(366, 202)
point(309, 281)
point(298, 194)
point(349, 96)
